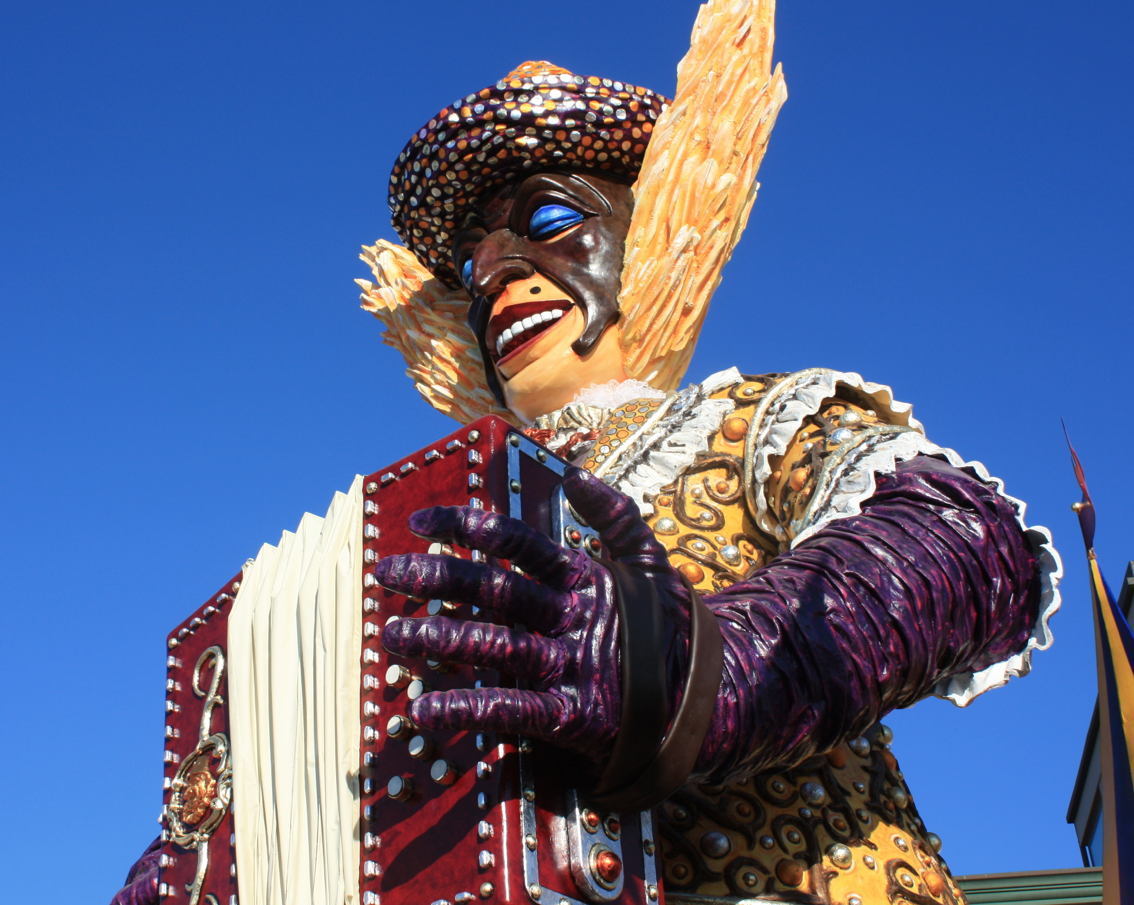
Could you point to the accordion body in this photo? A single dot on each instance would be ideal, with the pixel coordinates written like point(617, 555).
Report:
point(424, 818)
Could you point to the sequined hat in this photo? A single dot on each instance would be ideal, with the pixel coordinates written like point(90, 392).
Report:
point(538, 117)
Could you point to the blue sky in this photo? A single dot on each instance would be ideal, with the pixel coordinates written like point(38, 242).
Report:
point(946, 208)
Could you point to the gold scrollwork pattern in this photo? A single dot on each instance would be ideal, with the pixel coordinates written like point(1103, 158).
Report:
point(712, 479)
point(702, 517)
point(838, 826)
point(201, 791)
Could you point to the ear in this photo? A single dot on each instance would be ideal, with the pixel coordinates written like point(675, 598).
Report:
point(425, 321)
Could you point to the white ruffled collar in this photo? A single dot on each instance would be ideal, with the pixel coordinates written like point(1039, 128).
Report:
point(613, 393)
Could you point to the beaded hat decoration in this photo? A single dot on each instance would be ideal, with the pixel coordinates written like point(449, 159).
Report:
point(538, 117)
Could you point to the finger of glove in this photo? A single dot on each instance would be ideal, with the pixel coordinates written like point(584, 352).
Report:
point(507, 593)
point(501, 536)
point(617, 520)
point(477, 643)
point(512, 710)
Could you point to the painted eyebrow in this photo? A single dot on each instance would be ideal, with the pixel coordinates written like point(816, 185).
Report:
point(570, 191)
point(474, 219)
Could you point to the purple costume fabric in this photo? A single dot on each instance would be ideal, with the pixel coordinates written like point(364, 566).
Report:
point(142, 881)
point(934, 578)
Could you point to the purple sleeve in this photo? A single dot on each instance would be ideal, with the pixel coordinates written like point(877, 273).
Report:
point(933, 578)
point(142, 880)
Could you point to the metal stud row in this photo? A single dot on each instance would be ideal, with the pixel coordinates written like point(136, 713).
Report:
point(442, 771)
point(197, 621)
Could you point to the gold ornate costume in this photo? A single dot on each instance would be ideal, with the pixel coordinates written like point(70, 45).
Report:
point(843, 825)
point(730, 474)
point(840, 826)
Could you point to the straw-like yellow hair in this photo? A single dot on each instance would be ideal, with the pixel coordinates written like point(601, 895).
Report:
point(691, 203)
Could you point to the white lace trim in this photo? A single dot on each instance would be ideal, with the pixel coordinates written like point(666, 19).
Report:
point(853, 481)
point(613, 393)
point(573, 416)
point(662, 453)
point(788, 404)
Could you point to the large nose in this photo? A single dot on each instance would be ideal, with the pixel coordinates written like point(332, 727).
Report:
point(497, 262)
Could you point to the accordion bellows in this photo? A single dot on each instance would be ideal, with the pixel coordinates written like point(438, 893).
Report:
point(294, 634)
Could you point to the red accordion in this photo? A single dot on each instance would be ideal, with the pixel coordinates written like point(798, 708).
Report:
point(448, 818)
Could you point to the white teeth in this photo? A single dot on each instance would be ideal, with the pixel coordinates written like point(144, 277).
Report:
point(526, 324)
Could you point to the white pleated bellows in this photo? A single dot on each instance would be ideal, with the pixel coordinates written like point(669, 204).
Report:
point(294, 637)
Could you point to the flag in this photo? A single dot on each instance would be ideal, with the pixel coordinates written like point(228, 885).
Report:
point(1114, 648)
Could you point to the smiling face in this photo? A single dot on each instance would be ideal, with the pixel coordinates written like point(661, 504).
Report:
point(542, 260)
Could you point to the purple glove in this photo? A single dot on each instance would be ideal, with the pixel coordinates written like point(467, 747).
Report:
point(563, 595)
point(934, 578)
point(142, 881)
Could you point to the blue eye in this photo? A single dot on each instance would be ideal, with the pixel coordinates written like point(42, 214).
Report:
point(466, 272)
point(552, 219)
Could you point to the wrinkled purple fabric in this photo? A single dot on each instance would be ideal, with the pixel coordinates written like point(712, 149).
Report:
point(572, 664)
point(142, 880)
point(933, 578)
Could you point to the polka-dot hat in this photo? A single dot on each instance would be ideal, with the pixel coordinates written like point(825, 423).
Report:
point(537, 118)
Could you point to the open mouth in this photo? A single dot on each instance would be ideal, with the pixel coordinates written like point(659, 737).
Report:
point(518, 325)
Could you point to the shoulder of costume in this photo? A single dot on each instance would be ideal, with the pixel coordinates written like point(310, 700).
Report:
point(804, 431)
point(814, 443)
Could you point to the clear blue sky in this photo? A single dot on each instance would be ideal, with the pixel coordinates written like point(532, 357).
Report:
point(946, 208)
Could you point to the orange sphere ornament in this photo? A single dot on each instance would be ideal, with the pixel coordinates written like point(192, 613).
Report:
point(608, 866)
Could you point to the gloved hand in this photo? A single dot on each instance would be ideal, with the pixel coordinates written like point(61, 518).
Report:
point(569, 647)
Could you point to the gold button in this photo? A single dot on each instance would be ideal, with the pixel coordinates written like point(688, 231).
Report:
point(735, 429)
point(934, 882)
point(692, 571)
point(789, 872)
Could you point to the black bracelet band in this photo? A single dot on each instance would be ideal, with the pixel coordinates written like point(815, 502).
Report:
point(645, 695)
point(636, 777)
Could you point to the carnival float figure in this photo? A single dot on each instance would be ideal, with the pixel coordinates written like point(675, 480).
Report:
point(563, 237)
